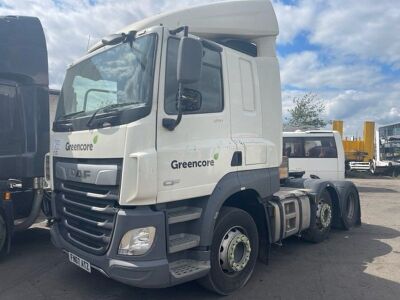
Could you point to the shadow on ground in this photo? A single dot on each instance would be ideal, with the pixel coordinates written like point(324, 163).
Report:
point(370, 189)
point(334, 269)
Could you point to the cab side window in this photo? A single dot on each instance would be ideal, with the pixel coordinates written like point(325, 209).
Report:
point(293, 147)
point(320, 147)
point(309, 147)
point(209, 86)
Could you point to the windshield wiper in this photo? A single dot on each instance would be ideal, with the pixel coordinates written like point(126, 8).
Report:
point(70, 115)
point(107, 108)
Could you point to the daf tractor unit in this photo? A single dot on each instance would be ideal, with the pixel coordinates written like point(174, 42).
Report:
point(24, 123)
point(166, 149)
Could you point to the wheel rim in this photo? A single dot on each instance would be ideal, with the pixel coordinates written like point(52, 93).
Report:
point(234, 250)
point(324, 215)
point(3, 232)
point(350, 206)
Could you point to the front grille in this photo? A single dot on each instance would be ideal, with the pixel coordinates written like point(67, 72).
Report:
point(87, 213)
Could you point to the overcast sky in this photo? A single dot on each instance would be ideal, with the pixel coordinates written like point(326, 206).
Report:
point(346, 51)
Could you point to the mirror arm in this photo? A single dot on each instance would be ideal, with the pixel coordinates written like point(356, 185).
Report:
point(171, 124)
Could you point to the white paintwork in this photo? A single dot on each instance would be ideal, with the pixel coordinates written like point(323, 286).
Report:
point(250, 19)
point(250, 121)
point(134, 142)
point(325, 168)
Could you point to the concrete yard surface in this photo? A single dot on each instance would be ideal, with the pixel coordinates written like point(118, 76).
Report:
point(363, 263)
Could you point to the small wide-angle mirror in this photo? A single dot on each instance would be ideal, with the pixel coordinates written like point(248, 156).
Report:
point(190, 100)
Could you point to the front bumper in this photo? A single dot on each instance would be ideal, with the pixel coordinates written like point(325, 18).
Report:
point(150, 270)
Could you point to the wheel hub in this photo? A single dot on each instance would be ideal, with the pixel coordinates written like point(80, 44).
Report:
point(324, 214)
point(235, 251)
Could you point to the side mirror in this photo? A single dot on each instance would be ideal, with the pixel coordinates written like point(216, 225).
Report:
point(190, 55)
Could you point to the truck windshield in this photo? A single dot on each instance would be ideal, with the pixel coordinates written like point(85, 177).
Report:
point(121, 75)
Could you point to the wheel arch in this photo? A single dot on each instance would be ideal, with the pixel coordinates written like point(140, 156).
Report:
point(251, 202)
point(230, 192)
point(316, 187)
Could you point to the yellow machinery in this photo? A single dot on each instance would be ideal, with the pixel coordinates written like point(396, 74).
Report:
point(361, 150)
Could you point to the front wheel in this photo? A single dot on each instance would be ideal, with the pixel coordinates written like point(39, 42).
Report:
point(234, 251)
point(3, 234)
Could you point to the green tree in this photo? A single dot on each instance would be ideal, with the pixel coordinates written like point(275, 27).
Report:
point(306, 113)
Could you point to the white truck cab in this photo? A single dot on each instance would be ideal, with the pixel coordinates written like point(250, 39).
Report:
point(318, 152)
point(166, 151)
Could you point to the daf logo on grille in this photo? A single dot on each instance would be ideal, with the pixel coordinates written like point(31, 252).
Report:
point(79, 173)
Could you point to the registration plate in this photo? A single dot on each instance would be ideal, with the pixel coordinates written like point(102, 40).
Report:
point(81, 263)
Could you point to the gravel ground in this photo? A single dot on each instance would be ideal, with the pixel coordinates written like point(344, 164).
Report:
point(363, 263)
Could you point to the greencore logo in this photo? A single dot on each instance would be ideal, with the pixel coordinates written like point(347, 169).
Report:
point(194, 164)
point(191, 164)
point(78, 147)
point(82, 147)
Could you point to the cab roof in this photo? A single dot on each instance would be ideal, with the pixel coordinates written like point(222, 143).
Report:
point(300, 133)
point(248, 20)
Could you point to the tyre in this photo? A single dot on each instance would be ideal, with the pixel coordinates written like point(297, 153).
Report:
point(350, 209)
point(234, 251)
point(3, 234)
point(321, 225)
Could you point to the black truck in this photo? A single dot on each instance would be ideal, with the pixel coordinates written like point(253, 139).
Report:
point(24, 123)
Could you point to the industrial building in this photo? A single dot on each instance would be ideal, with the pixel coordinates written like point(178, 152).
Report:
point(390, 130)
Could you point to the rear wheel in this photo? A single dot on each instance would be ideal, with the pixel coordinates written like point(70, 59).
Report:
point(234, 251)
point(321, 226)
point(350, 208)
point(3, 233)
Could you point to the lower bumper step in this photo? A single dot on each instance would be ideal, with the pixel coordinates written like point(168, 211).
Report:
point(188, 267)
point(183, 214)
point(183, 241)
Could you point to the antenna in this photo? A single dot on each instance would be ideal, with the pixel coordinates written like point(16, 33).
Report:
point(88, 43)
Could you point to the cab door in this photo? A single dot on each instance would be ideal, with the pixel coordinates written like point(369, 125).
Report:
point(198, 152)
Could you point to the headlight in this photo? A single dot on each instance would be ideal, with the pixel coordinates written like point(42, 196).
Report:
point(137, 241)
